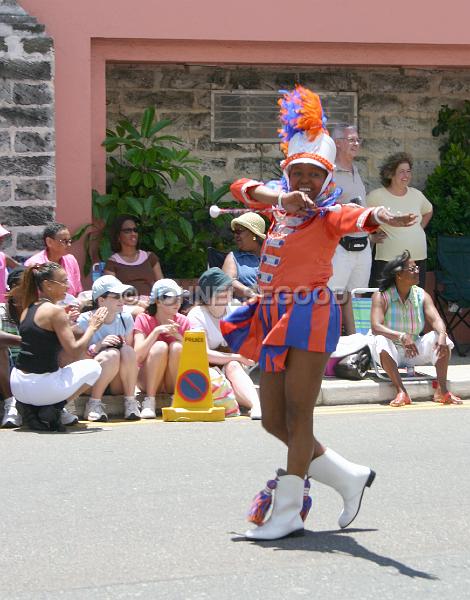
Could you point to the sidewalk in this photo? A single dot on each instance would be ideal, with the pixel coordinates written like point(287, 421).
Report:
point(337, 392)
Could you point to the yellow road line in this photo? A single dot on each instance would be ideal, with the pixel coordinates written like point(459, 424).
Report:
point(320, 410)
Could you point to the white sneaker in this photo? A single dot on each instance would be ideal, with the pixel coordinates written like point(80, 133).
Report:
point(148, 408)
point(131, 409)
point(94, 411)
point(11, 417)
point(255, 413)
point(67, 418)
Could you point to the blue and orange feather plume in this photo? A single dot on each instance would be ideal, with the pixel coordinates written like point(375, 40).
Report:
point(301, 110)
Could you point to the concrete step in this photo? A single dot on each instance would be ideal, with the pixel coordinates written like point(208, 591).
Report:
point(337, 392)
point(334, 392)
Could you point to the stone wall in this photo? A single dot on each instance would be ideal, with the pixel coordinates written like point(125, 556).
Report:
point(27, 157)
point(397, 109)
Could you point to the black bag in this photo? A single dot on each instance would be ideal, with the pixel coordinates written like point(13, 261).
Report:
point(353, 366)
point(354, 244)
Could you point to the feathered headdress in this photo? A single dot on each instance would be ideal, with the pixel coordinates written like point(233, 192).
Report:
point(304, 135)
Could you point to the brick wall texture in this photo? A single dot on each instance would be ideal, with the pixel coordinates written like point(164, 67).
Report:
point(397, 109)
point(27, 146)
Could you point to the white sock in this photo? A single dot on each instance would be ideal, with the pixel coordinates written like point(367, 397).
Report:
point(129, 398)
point(149, 398)
point(95, 399)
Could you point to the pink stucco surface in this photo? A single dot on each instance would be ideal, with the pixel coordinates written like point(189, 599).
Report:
point(87, 33)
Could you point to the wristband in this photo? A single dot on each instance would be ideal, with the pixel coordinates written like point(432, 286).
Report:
point(279, 200)
point(91, 351)
point(376, 215)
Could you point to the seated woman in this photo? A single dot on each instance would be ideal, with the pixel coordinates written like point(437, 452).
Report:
point(111, 347)
point(130, 265)
point(158, 336)
point(215, 294)
point(242, 265)
point(40, 387)
point(400, 310)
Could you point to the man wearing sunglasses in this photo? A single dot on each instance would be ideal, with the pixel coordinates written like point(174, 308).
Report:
point(352, 260)
point(57, 242)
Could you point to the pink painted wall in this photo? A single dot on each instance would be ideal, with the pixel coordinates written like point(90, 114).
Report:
point(88, 33)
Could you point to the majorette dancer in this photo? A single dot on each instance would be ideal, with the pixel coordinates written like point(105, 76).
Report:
point(295, 325)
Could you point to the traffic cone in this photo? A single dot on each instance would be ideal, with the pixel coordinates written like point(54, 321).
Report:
point(192, 400)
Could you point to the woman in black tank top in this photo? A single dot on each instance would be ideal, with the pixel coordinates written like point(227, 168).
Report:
point(40, 386)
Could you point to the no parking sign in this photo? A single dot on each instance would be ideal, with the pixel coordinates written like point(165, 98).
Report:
point(192, 400)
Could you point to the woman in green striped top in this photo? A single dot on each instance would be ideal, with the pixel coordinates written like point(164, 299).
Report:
point(400, 311)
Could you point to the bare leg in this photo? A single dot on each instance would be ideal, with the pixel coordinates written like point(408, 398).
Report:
point(273, 404)
point(174, 354)
point(347, 314)
point(109, 361)
point(5, 390)
point(391, 368)
point(442, 365)
point(302, 384)
point(242, 384)
point(126, 380)
point(153, 370)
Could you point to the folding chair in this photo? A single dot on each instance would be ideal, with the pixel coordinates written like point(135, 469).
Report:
point(215, 258)
point(361, 311)
point(452, 289)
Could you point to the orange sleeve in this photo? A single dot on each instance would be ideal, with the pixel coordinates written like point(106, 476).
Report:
point(350, 219)
point(240, 190)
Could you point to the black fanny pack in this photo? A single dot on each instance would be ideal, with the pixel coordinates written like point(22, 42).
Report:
point(354, 244)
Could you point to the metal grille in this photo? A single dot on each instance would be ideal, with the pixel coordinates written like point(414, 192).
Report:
point(253, 116)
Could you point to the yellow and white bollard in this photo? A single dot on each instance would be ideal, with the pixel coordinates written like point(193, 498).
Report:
point(192, 400)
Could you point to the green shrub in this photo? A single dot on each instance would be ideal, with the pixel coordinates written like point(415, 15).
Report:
point(448, 187)
point(142, 166)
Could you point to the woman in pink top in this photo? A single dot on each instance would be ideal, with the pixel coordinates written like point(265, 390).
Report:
point(5, 262)
point(158, 336)
point(57, 241)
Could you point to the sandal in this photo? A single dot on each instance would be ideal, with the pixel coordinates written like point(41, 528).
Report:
point(447, 398)
point(401, 399)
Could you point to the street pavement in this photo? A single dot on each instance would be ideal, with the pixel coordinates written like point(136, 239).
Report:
point(157, 510)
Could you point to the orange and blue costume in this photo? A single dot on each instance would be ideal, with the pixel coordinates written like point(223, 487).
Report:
point(296, 308)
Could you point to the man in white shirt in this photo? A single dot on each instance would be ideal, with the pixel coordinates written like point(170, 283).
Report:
point(352, 260)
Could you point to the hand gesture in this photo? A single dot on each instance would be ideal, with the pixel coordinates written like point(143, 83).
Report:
point(297, 203)
point(72, 313)
point(174, 330)
point(246, 361)
point(410, 347)
point(98, 317)
point(397, 220)
point(111, 341)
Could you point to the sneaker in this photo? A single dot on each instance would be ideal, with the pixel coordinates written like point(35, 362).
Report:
point(94, 411)
point(67, 418)
point(148, 408)
point(11, 417)
point(131, 409)
point(255, 412)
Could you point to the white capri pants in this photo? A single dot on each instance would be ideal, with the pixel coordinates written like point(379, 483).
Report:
point(425, 345)
point(350, 269)
point(42, 389)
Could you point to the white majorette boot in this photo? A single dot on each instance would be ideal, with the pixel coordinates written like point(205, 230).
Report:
point(347, 478)
point(285, 517)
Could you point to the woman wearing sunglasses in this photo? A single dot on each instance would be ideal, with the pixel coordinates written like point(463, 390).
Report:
point(111, 347)
point(39, 385)
point(400, 311)
point(57, 243)
point(134, 267)
point(158, 337)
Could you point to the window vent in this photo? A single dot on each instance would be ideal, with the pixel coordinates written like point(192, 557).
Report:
point(251, 117)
